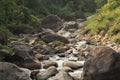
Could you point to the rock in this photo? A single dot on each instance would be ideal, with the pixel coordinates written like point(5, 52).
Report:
point(61, 54)
point(72, 64)
point(61, 76)
point(30, 64)
point(70, 25)
point(41, 57)
point(22, 52)
point(47, 64)
point(51, 22)
point(66, 69)
point(34, 73)
point(48, 50)
point(22, 58)
point(9, 71)
point(54, 37)
point(3, 38)
point(21, 29)
point(60, 49)
point(51, 71)
point(103, 63)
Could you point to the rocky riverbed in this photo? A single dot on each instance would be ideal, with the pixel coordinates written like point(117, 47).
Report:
point(59, 53)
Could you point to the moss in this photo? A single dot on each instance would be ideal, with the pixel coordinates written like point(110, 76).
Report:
point(57, 43)
point(41, 42)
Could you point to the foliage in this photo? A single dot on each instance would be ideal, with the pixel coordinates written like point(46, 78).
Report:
point(6, 47)
point(117, 40)
point(30, 12)
point(41, 42)
point(5, 30)
point(57, 43)
point(107, 19)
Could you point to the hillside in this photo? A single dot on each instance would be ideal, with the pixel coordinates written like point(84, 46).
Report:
point(107, 20)
point(28, 13)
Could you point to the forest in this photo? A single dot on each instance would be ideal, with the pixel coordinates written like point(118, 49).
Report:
point(29, 13)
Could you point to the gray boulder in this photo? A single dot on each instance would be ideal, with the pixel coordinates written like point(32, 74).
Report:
point(51, 22)
point(102, 64)
point(62, 75)
point(9, 71)
point(51, 71)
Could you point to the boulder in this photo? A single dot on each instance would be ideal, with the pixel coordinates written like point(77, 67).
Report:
point(61, 49)
point(41, 57)
point(21, 29)
point(48, 50)
point(51, 71)
point(22, 58)
point(3, 38)
point(54, 37)
point(66, 69)
point(70, 25)
point(9, 71)
point(62, 75)
point(72, 64)
point(34, 73)
point(47, 64)
point(51, 22)
point(103, 63)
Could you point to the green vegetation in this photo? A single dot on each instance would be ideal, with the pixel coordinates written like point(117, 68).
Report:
point(57, 43)
point(41, 42)
point(6, 47)
point(30, 12)
point(107, 19)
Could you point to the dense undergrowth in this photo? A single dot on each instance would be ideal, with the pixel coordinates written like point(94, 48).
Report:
point(107, 19)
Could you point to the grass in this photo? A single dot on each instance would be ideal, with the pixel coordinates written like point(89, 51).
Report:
point(108, 19)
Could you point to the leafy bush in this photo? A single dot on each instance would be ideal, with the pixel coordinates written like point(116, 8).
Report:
point(107, 19)
point(6, 47)
point(5, 30)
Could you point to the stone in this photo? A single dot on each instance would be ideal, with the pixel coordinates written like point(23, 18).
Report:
point(48, 50)
point(52, 22)
point(21, 57)
point(62, 75)
point(51, 71)
point(21, 29)
point(70, 25)
point(60, 49)
point(47, 64)
point(72, 64)
point(41, 57)
point(9, 71)
point(103, 63)
point(34, 73)
point(54, 37)
point(66, 69)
